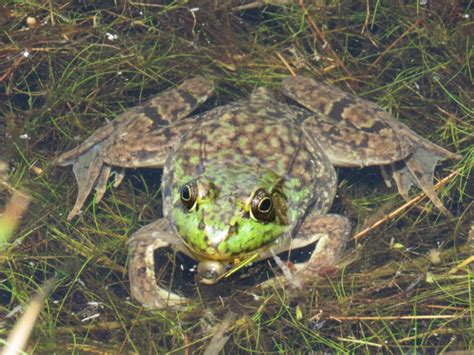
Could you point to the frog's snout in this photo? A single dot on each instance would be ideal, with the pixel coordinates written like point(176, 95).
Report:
point(210, 271)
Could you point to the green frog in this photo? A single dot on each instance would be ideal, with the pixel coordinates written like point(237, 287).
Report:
point(252, 178)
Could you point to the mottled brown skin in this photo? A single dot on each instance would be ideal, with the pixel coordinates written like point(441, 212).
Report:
point(143, 136)
point(231, 152)
point(357, 132)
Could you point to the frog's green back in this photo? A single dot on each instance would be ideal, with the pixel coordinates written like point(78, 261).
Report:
point(234, 151)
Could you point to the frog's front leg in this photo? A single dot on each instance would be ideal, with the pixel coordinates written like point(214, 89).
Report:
point(329, 232)
point(332, 232)
point(141, 266)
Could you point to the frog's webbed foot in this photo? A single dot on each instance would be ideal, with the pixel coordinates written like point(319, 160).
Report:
point(357, 132)
point(87, 169)
point(141, 266)
point(140, 137)
point(418, 168)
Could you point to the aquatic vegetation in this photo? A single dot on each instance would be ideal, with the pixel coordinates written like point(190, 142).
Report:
point(66, 68)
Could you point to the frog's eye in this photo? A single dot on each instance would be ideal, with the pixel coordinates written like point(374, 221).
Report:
point(189, 195)
point(261, 207)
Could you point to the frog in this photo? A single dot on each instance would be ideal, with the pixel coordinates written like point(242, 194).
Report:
point(249, 179)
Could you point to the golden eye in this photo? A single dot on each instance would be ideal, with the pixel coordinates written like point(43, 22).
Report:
point(261, 206)
point(189, 195)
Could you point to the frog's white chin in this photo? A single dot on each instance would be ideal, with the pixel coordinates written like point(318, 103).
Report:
point(215, 236)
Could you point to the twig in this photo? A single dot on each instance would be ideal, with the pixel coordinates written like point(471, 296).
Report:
point(367, 16)
point(443, 307)
point(441, 316)
point(360, 341)
point(460, 266)
point(256, 4)
point(394, 43)
point(51, 12)
point(434, 332)
point(403, 207)
point(322, 37)
point(285, 63)
point(249, 6)
point(221, 334)
point(10, 70)
point(97, 326)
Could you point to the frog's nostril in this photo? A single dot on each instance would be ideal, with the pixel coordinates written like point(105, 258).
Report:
point(232, 230)
point(201, 225)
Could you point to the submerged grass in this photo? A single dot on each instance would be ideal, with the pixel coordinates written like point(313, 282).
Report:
point(79, 64)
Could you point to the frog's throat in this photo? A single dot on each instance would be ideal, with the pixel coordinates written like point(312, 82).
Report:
point(212, 254)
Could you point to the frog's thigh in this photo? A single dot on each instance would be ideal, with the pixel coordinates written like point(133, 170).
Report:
point(141, 267)
point(332, 232)
point(352, 131)
point(178, 102)
point(145, 138)
point(159, 111)
point(351, 147)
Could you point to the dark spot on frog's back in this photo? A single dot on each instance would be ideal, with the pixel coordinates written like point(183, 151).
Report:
point(334, 131)
point(189, 101)
point(338, 108)
point(168, 133)
point(214, 126)
point(185, 160)
point(362, 143)
point(309, 165)
point(152, 114)
point(234, 121)
point(145, 154)
point(376, 127)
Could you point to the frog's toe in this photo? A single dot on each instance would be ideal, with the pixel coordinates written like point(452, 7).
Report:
point(418, 169)
point(88, 169)
point(91, 172)
point(101, 184)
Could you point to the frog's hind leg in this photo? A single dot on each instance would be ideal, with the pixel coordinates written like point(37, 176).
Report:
point(357, 132)
point(353, 132)
point(140, 137)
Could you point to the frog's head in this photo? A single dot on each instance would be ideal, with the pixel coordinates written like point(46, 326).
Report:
point(223, 216)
